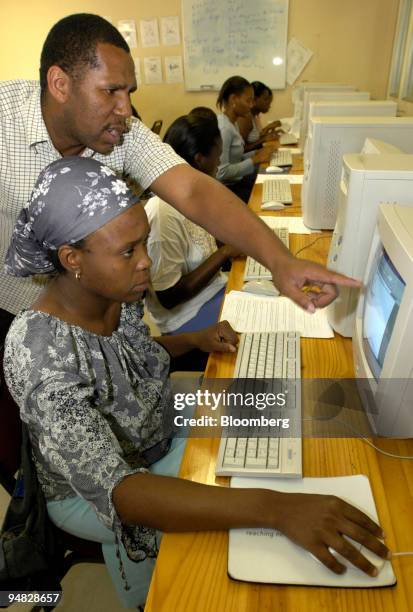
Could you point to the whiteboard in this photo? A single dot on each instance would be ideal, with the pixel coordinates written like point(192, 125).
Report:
point(223, 38)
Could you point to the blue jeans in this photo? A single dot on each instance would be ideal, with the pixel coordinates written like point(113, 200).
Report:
point(76, 516)
point(207, 315)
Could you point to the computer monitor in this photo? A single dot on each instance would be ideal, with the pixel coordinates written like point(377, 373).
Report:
point(383, 335)
point(329, 138)
point(367, 181)
point(352, 108)
point(310, 96)
point(298, 96)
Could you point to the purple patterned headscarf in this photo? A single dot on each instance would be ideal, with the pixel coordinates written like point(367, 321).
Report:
point(72, 198)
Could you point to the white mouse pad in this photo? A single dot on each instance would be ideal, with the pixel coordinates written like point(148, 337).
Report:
point(265, 555)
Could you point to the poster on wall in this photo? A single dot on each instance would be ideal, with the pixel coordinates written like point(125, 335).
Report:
point(128, 30)
point(173, 69)
point(298, 57)
point(152, 69)
point(138, 74)
point(149, 32)
point(170, 31)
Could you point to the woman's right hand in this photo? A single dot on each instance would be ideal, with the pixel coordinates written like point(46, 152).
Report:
point(271, 127)
point(317, 522)
point(263, 155)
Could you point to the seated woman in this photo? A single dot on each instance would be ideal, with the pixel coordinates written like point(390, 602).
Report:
point(250, 126)
point(205, 112)
point(187, 286)
point(237, 169)
point(93, 388)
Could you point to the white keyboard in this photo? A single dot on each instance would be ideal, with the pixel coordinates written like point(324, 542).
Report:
point(288, 139)
point(281, 158)
point(253, 269)
point(243, 451)
point(278, 190)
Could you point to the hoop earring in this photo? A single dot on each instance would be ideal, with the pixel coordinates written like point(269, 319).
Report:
point(77, 275)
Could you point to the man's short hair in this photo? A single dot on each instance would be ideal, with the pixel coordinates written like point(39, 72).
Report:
point(71, 44)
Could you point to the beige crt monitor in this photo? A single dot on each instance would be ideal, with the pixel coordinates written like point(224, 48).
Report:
point(298, 96)
point(327, 95)
point(329, 138)
point(367, 181)
point(383, 335)
point(352, 108)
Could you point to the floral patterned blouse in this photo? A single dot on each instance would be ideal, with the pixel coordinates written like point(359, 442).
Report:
point(96, 407)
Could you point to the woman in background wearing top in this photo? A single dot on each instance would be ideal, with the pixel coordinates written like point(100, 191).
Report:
point(250, 126)
point(187, 283)
point(237, 169)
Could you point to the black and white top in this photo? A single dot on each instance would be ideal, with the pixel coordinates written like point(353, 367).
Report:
point(96, 407)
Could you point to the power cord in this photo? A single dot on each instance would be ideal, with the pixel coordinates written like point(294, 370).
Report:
point(312, 244)
point(361, 437)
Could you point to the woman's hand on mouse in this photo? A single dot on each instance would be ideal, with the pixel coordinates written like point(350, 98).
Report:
point(317, 522)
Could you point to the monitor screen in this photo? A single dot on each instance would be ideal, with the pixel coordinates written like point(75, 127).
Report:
point(383, 296)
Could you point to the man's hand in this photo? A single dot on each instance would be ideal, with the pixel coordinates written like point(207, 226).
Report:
point(309, 284)
point(219, 337)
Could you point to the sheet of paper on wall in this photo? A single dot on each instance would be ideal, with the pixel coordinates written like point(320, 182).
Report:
point(138, 75)
point(152, 70)
point(127, 28)
point(298, 57)
point(170, 31)
point(149, 32)
point(247, 312)
point(295, 225)
point(173, 69)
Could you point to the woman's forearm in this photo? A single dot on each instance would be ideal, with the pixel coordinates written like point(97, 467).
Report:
point(174, 504)
point(192, 283)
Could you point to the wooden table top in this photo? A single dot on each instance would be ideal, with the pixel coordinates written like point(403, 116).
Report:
point(191, 570)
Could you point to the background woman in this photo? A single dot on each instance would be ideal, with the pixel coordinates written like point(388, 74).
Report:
point(187, 285)
point(250, 127)
point(237, 169)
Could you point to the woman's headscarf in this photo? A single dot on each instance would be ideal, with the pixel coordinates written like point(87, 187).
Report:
point(72, 198)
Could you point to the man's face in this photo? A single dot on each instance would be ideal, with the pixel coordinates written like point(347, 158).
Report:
point(98, 102)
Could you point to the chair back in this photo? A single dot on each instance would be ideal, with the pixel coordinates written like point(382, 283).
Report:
point(157, 126)
point(10, 434)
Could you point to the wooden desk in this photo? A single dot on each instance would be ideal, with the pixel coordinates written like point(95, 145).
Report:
point(191, 571)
